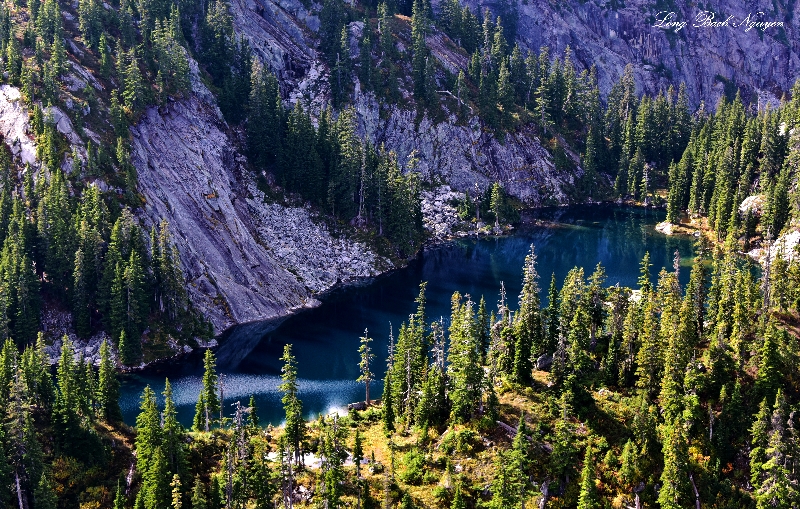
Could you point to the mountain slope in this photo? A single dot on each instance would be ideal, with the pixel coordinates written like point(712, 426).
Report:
point(192, 175)
point(611, 35)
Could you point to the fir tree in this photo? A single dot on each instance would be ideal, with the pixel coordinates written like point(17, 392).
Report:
point(173, 435)
point(459, 500)
point(674, 492)
point(527, 322)
point(44, 495)
point(292, 406)
point(199, 500)
point(464, 369)
point(364, 365)
point(508, 486)
point(587, 498)
point(108, 387)
point(387, 400)
point(208, 404)
point(768, 375)
point(119, 499)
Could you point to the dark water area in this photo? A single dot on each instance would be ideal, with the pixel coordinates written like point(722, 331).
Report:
point(325, 339)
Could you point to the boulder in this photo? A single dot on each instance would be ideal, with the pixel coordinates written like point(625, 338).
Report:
point(543, 362)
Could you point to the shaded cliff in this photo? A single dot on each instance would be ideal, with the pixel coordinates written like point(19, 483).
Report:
point(613, 34)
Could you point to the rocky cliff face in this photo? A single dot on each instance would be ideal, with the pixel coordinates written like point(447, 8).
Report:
point(611, 34)
point(466, 155)
point(461, 154)
point(248, 261)
point(245, 260)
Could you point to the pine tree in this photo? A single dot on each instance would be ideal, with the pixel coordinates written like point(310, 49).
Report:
point(420, 52)
point(433, 407)
point(129, 350)
point(464, 369)
point(105, 56)
point(119, 499)
point(650, 357)
point(588, 498)
point(484, 324)
point(505, 94)
point(173, 435)
point(410, 357)
point(358, 452)
point(366, 357)
point(674, 492)
point(459, 500)
point(777, 487)
point(134, 297)
point(67, 408)
point(334, 455)
point(630, 473)
point(176, 492)
point(527, 322)
point(25, 453)
point(252, 418)
point(759, 434)
point(81, 312)
point(508, 486)
point(156, 482)
point(365, 59)
point(149, 433)
point(13, 59)
point(387, 401)
point(264, 119)
point(552, 316)
point(208, 404)
point(171, 291)
point(769, 362)
point(44, 495)
point(133, 92)
point(295, 427)
point(199, 500)
point(89, 21)
point(108, 387)
point(561, 461)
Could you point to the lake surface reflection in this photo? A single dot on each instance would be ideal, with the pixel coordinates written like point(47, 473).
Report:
point(326, 338)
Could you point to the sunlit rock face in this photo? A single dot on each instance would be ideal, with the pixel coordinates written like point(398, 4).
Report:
point(245, 260)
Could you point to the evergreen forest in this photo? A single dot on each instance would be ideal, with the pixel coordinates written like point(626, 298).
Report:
point(571, 394)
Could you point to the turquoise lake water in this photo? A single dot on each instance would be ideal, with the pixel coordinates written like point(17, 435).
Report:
point(325, 339)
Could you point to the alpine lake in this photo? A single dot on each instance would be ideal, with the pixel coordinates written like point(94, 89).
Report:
point(325, 339)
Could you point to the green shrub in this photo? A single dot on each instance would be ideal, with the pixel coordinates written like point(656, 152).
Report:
point(441, 495)
point(414, 467)
point(462, 442)
point(430, 477)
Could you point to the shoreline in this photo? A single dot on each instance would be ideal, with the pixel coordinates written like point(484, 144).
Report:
point(243, 333)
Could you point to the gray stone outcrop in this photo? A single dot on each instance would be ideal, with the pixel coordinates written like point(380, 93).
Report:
point(612, 34)
point(244, 260)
